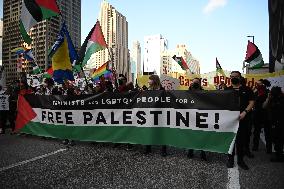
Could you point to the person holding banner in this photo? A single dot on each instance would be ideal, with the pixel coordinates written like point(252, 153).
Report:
point(246, 104)
point(155, 84)
point(247, 151)
point(196, 86)
point(260, 116)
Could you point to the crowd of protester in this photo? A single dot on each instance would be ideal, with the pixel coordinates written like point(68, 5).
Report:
point(260, 108)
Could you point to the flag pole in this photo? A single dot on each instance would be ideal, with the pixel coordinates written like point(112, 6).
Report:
point(82, 70)
point(110, 54)
point(244, 66)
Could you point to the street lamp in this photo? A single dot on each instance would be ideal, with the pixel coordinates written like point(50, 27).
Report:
point(252, 38)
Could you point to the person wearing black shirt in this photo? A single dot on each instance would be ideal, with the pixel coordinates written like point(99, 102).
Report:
point(260, 118)
point(196, 86)
point(155, 84)
point(275, 106)
point(246, 105)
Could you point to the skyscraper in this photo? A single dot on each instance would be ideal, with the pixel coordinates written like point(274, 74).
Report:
point(43, 34)
point(154, 46)
point(135, 57)
point(1, 34)
point(11, 37)
point(167, 62)
point(2, 72)
point(71, 14)
point(115, 29)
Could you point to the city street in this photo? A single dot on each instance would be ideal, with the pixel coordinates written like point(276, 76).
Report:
point(35, 162)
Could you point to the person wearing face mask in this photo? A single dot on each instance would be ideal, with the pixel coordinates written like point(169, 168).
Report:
point(246, 98)
point(196, 86)
point(155, 84)
point(260, 119)
point(122, 80)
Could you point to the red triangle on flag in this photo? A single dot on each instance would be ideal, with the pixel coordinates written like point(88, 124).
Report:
point(25, 113)
point(251, 49)
point(48, 4)
point(50, 71)
point(97, 36)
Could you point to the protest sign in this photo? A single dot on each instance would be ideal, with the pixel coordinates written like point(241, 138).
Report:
point(197, 120)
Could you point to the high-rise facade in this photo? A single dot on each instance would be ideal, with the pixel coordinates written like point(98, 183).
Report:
point(2, 72)
point(167, 62)
point(115, 30)
point(1, 34)
point(11, 37)
point(43, 34)
point(135, 59)
point(154, 46)
point(71, 14)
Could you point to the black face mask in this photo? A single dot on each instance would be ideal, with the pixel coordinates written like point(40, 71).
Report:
point(235, 81)
point(195, 86)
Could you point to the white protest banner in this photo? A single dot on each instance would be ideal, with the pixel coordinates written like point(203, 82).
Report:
point(4, 102)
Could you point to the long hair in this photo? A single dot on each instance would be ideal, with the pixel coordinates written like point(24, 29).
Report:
point(156, 82)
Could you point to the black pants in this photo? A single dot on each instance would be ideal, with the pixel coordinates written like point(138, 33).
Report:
point(3, 119)
point(241, 139)
point(248, 123)
point(260, 123)
point(278, 138)
point(267, 134)
point(12, 114)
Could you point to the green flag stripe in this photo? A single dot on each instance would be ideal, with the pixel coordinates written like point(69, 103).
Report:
point(36, 70)
point(257, 62)
point(26, 36)
point(47, 13)
point(95, 47)
point(183, 138)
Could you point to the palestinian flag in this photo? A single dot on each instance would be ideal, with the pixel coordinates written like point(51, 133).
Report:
point(48, 73)
point(34, 11)
point(94, 42)
point(253, 56)
point(219, 68)
point(210, 125)
point(181, 62)
point(36, 68)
